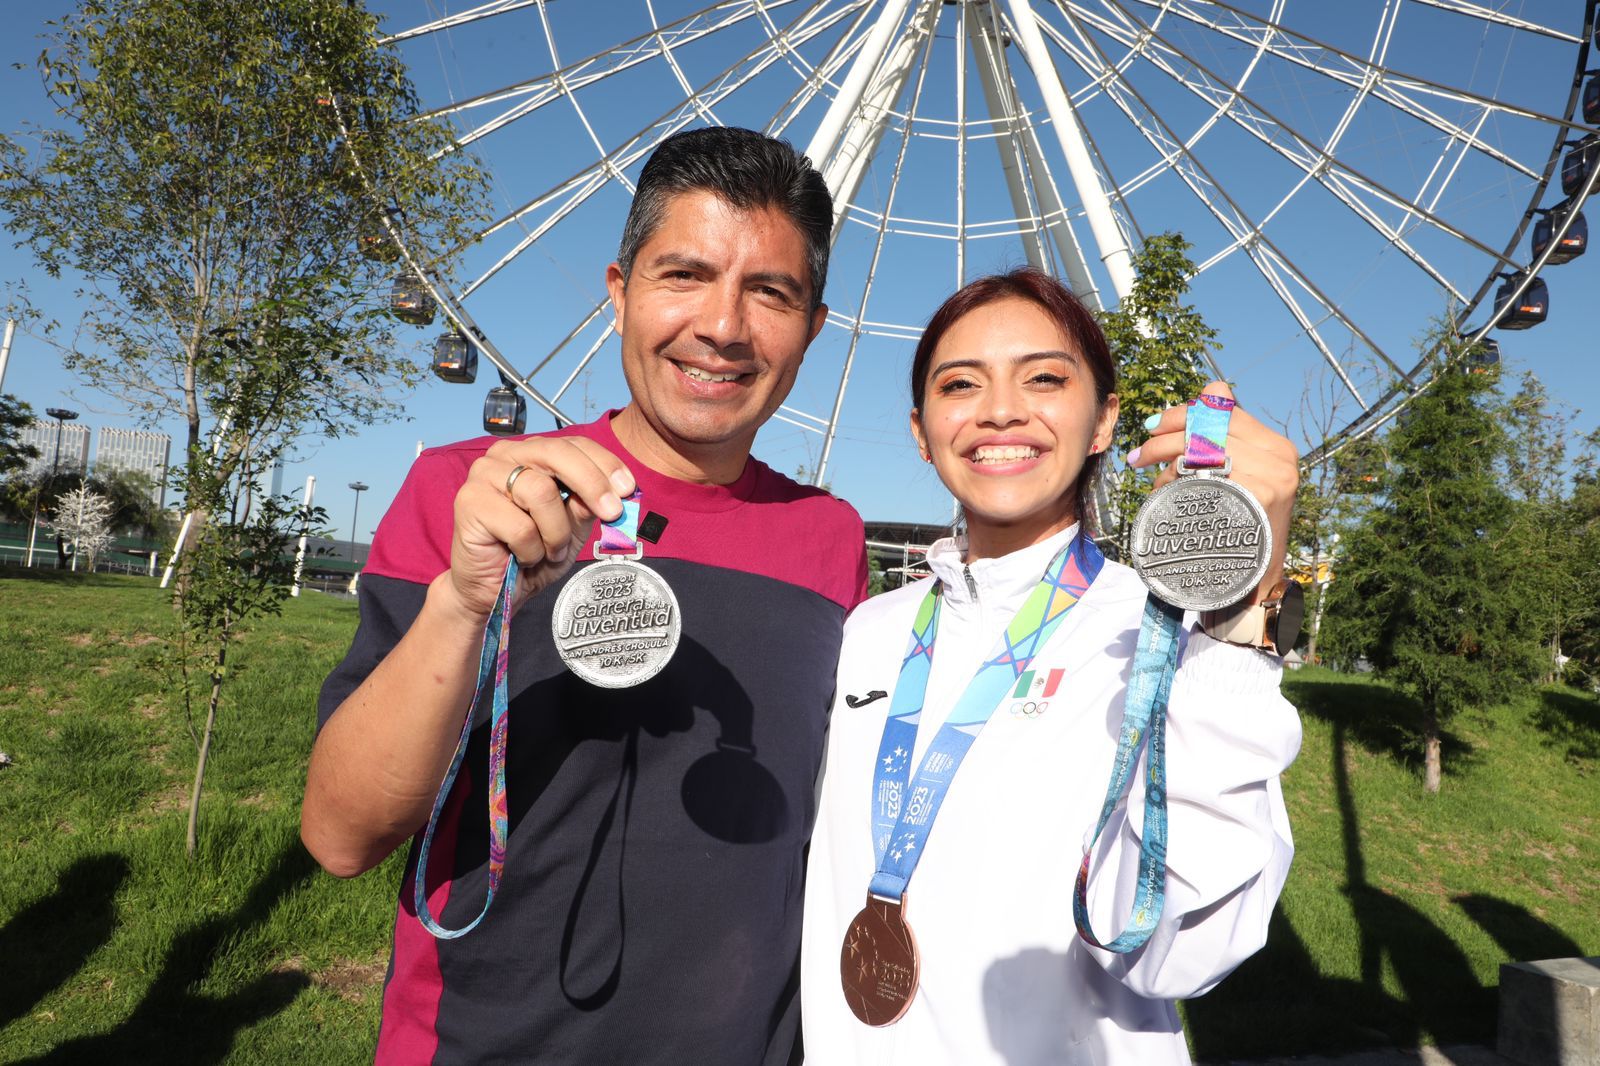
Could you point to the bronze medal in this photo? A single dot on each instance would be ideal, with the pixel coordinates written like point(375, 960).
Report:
point(878, 963)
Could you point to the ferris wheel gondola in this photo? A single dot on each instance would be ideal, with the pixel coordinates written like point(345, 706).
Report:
point(1574, 240)
point(455, 359)
point(1331, 164)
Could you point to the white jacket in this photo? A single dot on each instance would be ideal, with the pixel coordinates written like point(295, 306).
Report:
point(1005, 978)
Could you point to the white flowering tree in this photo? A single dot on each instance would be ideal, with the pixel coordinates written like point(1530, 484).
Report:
point(82, 518)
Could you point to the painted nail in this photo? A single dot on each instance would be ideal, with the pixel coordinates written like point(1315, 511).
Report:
point(1133, 456)
point(622, 481)
point(1153, 421)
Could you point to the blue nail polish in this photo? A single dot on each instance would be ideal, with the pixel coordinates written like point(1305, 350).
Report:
point(1152, 421)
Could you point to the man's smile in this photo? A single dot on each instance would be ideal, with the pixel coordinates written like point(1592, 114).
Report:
point(695, 373)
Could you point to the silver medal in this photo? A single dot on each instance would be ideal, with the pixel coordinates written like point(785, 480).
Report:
point(616, 623)
point(1202, 542)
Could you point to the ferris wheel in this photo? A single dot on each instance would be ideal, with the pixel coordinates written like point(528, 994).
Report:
point(1343, 172)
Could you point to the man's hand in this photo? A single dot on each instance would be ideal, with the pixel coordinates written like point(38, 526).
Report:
point(379, 760)
point(1263, 462)
point(531, 521)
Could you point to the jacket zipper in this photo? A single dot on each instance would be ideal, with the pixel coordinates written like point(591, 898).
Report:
point(972, 586)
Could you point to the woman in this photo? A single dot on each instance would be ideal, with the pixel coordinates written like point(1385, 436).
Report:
point(1015, 403)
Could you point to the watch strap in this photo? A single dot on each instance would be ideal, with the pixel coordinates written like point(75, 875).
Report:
point(1246, 625)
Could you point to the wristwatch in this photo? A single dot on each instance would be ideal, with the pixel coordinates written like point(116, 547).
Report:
point(1271, 625)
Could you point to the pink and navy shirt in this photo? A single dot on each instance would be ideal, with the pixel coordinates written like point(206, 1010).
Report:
point(650, 908)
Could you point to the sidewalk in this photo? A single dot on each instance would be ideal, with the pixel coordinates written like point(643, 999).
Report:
point(1461, 1055)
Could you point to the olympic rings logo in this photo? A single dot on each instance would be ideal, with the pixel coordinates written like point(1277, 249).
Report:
point(1029, 708)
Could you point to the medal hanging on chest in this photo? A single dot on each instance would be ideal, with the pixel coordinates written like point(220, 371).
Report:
point(616, 623)
point(1202, 542)
point(878, 962)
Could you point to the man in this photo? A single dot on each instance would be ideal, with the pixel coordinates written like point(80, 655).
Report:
point(650, 905)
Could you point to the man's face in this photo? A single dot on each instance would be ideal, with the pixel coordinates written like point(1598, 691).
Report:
point(714, 321)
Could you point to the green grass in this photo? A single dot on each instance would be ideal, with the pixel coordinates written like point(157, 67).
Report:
point(117, 949)
point(1402, 906)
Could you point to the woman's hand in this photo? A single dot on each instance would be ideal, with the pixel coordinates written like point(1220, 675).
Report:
point(529, 518)
point(1263, 461)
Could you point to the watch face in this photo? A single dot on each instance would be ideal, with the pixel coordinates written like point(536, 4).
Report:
point(1291, 613)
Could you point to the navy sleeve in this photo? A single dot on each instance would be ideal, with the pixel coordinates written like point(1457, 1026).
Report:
point(388, 607)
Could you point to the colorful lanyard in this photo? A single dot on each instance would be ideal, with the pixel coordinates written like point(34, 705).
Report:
point(1144, 717)
point(904, 810)
point(1206, 431)
point(621, 533)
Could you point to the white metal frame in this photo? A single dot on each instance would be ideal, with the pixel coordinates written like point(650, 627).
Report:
point(881, 48)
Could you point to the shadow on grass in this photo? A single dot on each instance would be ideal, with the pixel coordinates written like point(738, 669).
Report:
point(1520, 935)
point(47, 941)
point(176, 1024)
point(1572, 719)
point(1278, 1002)
point(1379, 718)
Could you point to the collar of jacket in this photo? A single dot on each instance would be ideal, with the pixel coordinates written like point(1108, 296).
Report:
point(1002, 583)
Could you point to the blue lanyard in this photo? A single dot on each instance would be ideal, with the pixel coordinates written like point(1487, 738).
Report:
point(493, 664)
point(621, 533)
point(1144, 717)
point(904, 810)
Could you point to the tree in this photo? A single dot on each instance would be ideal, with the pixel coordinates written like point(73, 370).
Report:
point(1425, 579)
point(1159, 343)
point(202, 184)
point(1556, 586)
point(1536, 461)
point(132, 494)
point(15, 416)
point(82, 518)
point(18, 491)
point(1581, 639)
point(211, 178)
point(1311, 525)
point(239, 571)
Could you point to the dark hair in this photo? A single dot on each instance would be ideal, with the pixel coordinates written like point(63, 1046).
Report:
point(1065, 309)
point(747, 170)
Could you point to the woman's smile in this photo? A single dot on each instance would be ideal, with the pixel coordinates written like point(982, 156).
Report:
point(1009, 417)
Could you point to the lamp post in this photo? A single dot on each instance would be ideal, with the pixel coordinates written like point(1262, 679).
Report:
point(62, 417)
point(359, 488)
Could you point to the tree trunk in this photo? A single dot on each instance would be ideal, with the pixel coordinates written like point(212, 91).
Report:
point(192, 840)
point(1316, 617)
point(1432, 751)
point(180, 554)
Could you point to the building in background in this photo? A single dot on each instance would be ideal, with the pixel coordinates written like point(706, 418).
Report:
point(74, 459)
point(139, 450)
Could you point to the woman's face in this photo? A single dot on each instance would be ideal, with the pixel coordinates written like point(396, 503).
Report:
point(1008, 418)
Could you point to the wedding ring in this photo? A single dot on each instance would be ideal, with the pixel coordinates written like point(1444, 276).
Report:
point(511, 478)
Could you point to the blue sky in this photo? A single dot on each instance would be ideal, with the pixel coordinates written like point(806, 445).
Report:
point(547, 290)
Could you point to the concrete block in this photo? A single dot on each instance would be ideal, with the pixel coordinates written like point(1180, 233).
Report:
point(1550, 1012)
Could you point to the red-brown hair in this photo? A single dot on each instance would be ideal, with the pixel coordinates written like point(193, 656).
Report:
point(1065, 309)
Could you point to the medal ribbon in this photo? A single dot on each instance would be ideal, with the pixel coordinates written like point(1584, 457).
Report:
point(1144, 716)
point(1206, 431)
point(619, 534)
point(495, 655)
point(904, 811)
